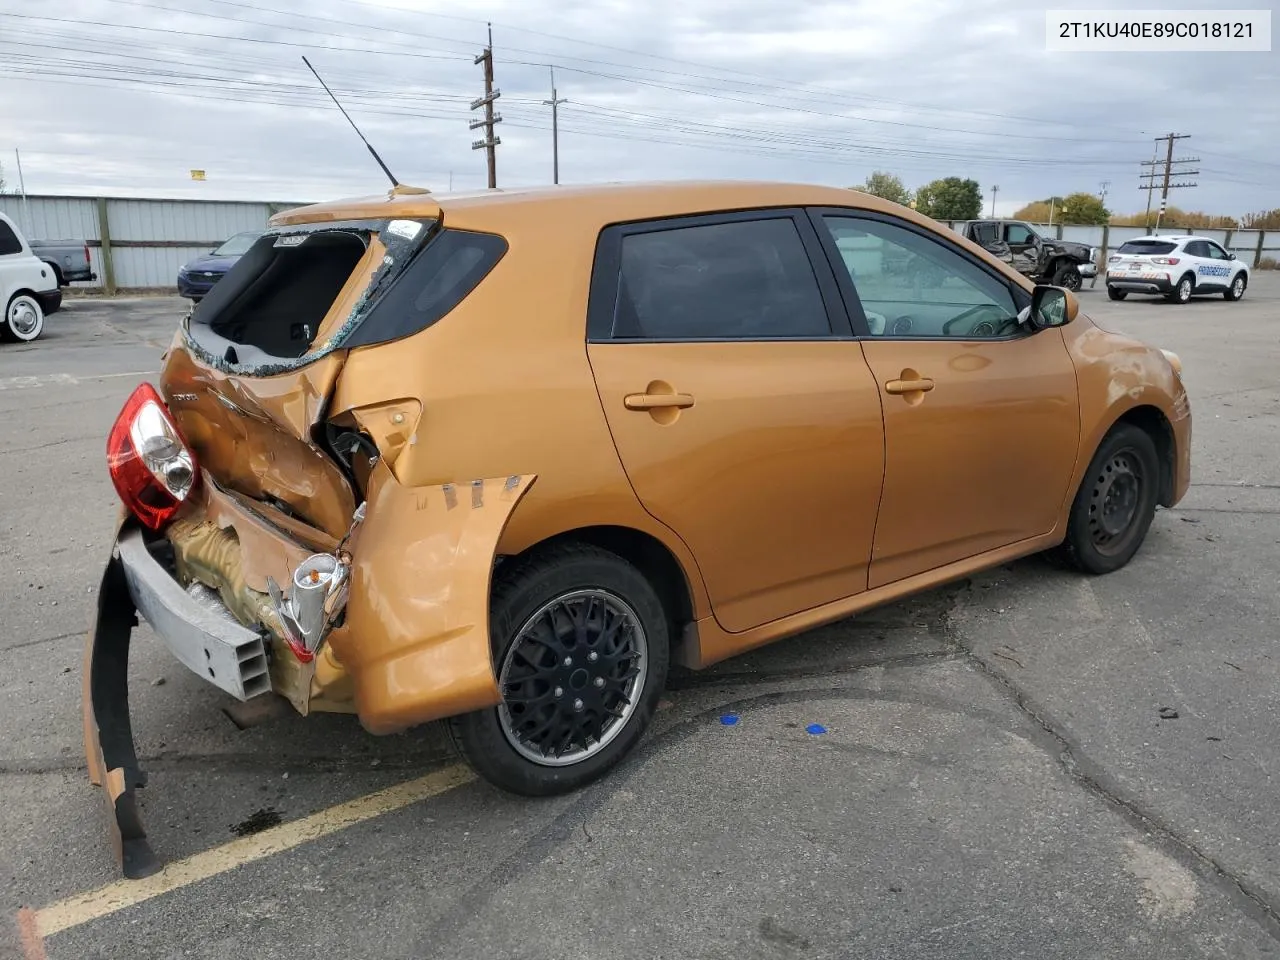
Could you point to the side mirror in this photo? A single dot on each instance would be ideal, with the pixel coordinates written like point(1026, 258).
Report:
point(1230, 255)
point(1052, 307)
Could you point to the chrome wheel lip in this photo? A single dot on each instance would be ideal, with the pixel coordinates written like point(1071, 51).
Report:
point(611, 729)
point(24, 317)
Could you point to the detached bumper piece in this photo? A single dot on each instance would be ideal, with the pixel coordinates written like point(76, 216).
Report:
point(202, 636)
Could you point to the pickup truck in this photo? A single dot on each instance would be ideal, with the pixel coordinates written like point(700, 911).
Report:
point(69, 259)
point(28, 288)
point(1043, 259)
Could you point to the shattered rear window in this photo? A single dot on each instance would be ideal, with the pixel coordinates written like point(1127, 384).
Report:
point(263, 317)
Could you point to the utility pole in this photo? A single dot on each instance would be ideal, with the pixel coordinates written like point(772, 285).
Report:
point(1169, 172)
point(554, 103)
point(1102, 192)
point(490, 142)
point(994, 191)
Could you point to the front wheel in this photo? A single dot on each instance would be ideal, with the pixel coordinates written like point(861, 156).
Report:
point(581, 645)
point(1116, 502)
point(1067, 275)
point(1236, 290)
point(23, 319)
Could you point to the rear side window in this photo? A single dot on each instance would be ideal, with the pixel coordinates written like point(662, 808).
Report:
point(9, 242)
point(1154, 248)
point(739, 280)
point(435, 281)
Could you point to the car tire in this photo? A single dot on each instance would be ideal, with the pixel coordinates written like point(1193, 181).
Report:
point(23, 319)
point(560, 673)
point(1113, 509)
point(1236, 290)
point(1114, 294)
point(1067, 275)
point(1182, 292)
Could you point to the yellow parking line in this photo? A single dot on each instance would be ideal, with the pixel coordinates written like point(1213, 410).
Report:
point(73, 911)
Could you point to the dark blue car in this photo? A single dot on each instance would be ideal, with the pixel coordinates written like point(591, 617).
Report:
point(198, 276)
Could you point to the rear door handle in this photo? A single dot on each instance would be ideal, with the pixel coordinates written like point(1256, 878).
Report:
point(656, 401)
point(909, 386)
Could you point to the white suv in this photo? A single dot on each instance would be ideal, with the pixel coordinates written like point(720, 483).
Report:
point(28, 287)
point(1177, 267)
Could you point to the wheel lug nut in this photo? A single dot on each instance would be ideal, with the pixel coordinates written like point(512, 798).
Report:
point(593, 656)
point(599, 681)
point(559, 691)
point(568, 661)
point(577, 704)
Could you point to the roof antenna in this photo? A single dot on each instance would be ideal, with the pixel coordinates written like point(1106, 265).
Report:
point(390, 176)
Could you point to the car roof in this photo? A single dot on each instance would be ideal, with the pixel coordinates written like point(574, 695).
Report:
point(592, 202)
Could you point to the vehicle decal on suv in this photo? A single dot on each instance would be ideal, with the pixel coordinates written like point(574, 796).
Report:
point(1213, 271)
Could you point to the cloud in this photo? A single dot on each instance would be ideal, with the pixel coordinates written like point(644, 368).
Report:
point(127, 96)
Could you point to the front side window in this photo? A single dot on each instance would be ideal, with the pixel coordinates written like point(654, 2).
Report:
point(739, 280)
point(1015, 234)
point(912, 286)
point(1216, 252)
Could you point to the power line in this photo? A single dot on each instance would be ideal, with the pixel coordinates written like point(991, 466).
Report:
point(685, 88)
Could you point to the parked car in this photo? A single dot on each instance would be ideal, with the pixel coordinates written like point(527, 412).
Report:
point(1175, 267)
point(69, 259)
point(28, 288)
point(197, 277)
point(501, 459)
point(1043, 259)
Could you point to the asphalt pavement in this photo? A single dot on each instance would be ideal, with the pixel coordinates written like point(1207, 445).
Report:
point(1030, 763)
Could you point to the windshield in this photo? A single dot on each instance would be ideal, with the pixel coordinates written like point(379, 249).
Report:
point(238, 245)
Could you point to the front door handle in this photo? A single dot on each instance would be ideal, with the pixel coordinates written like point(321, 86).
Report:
point(919, 385)
point(657, 401)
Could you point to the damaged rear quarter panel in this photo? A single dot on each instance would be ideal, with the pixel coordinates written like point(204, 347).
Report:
point(416, 637)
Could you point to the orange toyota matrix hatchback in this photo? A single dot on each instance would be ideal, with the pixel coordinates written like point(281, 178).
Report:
point(500, 459)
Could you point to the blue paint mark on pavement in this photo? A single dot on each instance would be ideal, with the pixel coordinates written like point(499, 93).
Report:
point(729, 719)
point(816, 729)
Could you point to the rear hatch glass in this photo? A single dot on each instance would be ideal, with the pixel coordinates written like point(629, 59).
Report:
point(1146, 248)
point(302, 292)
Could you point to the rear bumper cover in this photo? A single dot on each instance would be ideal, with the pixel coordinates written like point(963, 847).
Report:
point(1141, 285)
point(50, 300)
point(209, 642)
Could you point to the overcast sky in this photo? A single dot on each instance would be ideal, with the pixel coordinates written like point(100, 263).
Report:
point(126, 97)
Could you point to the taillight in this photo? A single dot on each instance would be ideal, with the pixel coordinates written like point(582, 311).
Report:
point(1169, 261)
point(86, 254)
point(153, 469)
